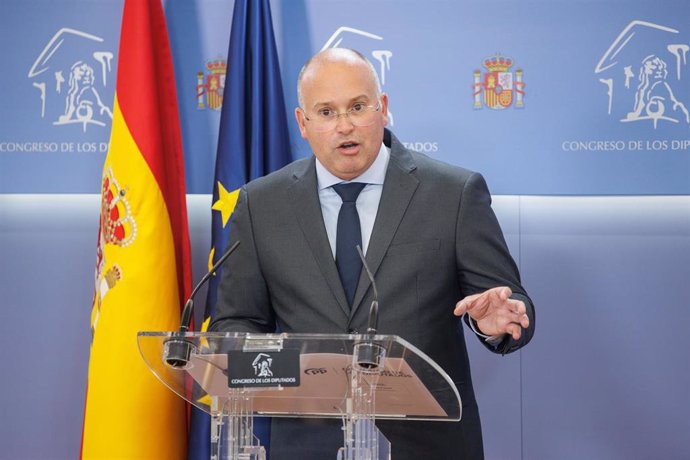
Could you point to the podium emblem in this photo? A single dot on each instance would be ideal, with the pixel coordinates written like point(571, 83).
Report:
point(262, 365)
point(259, 368)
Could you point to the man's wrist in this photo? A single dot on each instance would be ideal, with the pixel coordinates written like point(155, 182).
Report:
point(492, 340)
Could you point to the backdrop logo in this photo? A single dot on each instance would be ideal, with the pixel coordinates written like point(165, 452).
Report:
point(70, 75)
point(368, 44)
point(499, 86)
point(211, 85)
point(642, 70)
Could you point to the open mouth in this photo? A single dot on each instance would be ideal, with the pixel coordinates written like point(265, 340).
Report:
point(348, 145)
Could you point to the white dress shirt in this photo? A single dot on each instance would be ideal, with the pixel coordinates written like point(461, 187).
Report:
point(367, 201)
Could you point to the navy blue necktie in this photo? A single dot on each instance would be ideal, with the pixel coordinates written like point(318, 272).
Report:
point(349, 235)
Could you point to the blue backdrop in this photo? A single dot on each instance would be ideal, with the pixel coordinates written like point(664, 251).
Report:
point(544, 97)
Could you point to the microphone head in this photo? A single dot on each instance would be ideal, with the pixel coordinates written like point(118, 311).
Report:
point(177, 351)
point(369, 356)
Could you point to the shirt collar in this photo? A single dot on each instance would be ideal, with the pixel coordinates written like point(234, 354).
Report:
point(375, 174)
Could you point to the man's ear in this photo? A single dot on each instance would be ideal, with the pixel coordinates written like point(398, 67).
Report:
point(384, 108)
point(299, 116)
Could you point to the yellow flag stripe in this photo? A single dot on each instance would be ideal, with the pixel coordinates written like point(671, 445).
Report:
point(129, 413)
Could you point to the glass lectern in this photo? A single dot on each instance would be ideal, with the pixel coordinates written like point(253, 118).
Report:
point(357, 378)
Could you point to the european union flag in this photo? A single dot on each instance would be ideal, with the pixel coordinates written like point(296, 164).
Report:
point(253, 142)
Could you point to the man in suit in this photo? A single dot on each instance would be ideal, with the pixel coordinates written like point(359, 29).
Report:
point(429, 236)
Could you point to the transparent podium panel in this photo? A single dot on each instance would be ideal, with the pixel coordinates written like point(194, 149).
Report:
point(409, 385)
point(235, 377)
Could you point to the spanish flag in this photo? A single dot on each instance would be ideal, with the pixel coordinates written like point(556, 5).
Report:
point(143, 265)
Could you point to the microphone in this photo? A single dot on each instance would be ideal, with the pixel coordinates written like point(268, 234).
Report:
point(370, 356)
point(178, 348)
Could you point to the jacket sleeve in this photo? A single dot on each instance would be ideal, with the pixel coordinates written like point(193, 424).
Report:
point(483, 259)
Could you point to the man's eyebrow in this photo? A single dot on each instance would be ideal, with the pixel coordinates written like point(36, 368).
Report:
point(354, 99)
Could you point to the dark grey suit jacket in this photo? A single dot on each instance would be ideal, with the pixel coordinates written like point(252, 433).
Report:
point(435, 240)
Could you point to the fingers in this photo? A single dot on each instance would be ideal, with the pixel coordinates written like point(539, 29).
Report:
point(514, 330)
point(524, 321)
point(506, 325)
point(480, 304)
point(516, 306)
point(518, 313)
point(466, 304)
point(495, 312)
point(499, 294)
point(496, 315)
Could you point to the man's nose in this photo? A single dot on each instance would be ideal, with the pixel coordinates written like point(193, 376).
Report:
point(343, 123)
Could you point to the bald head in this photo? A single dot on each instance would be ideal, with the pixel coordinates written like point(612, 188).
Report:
point(344, 56)
point(341, 84)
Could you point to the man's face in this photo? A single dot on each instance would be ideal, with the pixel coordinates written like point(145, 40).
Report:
point(347, 150)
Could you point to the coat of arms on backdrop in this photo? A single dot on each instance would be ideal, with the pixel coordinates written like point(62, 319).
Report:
point(211, 85)
point(499, 86)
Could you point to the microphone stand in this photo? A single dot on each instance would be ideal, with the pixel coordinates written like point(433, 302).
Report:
point(178, 348)
point(368, 355)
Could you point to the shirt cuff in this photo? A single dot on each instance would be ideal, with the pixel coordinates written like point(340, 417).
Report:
point(492, 340)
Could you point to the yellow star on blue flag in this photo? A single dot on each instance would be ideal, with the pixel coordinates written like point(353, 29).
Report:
point(226, 202)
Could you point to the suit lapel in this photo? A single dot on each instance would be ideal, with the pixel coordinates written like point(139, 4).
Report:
point(398, 189)
point(307, 208)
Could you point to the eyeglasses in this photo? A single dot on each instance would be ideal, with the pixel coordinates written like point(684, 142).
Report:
point(359, 114)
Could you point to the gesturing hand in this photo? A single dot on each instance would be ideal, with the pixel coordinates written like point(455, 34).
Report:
point(495, 312)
